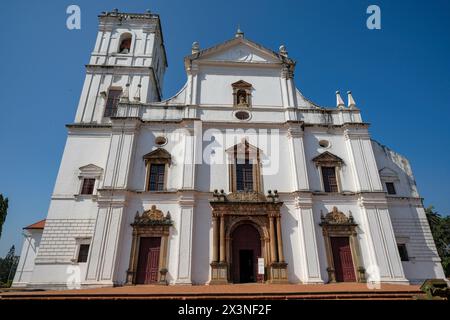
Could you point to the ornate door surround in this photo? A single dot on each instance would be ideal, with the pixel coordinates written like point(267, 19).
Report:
point(235, 209)
point(337, 224)
point(152, 223)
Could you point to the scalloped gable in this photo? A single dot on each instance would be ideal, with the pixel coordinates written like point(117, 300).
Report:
point(240, 50)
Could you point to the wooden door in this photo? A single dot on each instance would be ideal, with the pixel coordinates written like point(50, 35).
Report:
point(148, 260)
point(342, 258)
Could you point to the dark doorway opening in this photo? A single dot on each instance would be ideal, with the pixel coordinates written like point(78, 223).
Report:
point(148, 261)
point(246, 249)
point(246, 267)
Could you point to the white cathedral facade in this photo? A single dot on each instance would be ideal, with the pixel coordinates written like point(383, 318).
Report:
point(237, 178)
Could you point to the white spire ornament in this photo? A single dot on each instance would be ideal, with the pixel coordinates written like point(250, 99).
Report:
point(195, 47)
point(339, 102)
point(239, 33)
point(351, 101)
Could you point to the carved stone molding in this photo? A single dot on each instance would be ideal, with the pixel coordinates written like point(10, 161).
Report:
point(151, 223)
point(327, 159)
point(231, 211)
point(337, 224)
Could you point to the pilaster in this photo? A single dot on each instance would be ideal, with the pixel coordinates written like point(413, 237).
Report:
point(297, 156)
point(309, 256)
point(185, 228)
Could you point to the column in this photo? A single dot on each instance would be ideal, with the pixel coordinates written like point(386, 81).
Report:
point(222, 239)
point(279, 241)
point(132, 265)
point(273, 252)
point(215, 241)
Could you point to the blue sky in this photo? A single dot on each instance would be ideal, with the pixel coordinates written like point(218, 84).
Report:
point(399, 76)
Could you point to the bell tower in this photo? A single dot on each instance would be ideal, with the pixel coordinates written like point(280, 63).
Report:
point(127, 64)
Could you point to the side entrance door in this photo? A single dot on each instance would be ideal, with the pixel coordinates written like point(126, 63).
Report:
point(342, 258)
point(148, 260)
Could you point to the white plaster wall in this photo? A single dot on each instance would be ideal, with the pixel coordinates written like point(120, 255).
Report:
point(80, 150)
point(215, 85)
point(337, 147)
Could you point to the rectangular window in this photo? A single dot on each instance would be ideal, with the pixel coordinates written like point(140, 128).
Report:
point(88, 186)
point(156, 180)
point(403, 252)
point(83, 252)
point(390, 188)
point(244, 176)
point(329, 179)
point(112, 101)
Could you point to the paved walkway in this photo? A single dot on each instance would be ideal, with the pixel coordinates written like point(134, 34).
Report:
point(232, 291)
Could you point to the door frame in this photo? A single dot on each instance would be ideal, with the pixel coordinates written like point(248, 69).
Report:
point(139, 255)
point(337, 253)
point(337, 224)
point(151, 224)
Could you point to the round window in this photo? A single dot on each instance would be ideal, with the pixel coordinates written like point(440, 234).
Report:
point(160, 141)
point(242, 115)
point(324, 143)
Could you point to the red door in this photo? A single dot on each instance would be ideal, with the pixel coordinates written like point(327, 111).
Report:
point(148, 260)
point(342, 258)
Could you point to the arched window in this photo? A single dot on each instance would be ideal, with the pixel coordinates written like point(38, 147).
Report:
point(125, 43)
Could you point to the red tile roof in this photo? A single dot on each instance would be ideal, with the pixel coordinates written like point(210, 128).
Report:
point(37, 225)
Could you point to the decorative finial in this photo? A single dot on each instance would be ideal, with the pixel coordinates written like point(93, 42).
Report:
point(148, 11)
point(351, 101)
point(137, 95)
point(350, 217)
point(239, 33)
point(339, 102)
point(195, 47)
point(282, 50)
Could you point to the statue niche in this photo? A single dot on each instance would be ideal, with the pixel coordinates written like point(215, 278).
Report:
point(242, 93)
point(242, 98)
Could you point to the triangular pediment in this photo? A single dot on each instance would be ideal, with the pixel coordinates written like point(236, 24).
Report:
point(241, 84)
point(239, 50)
point(327, 158)
point(158, 154)
point(90, 170)
point(243, 148)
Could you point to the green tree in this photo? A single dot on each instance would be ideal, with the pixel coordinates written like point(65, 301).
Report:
point(440, 228)
point(8, 266)
point(3, 211)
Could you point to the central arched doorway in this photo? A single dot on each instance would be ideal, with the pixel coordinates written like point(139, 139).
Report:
point(246, 249)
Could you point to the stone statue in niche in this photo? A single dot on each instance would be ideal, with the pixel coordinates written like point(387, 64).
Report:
point(242, 98)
